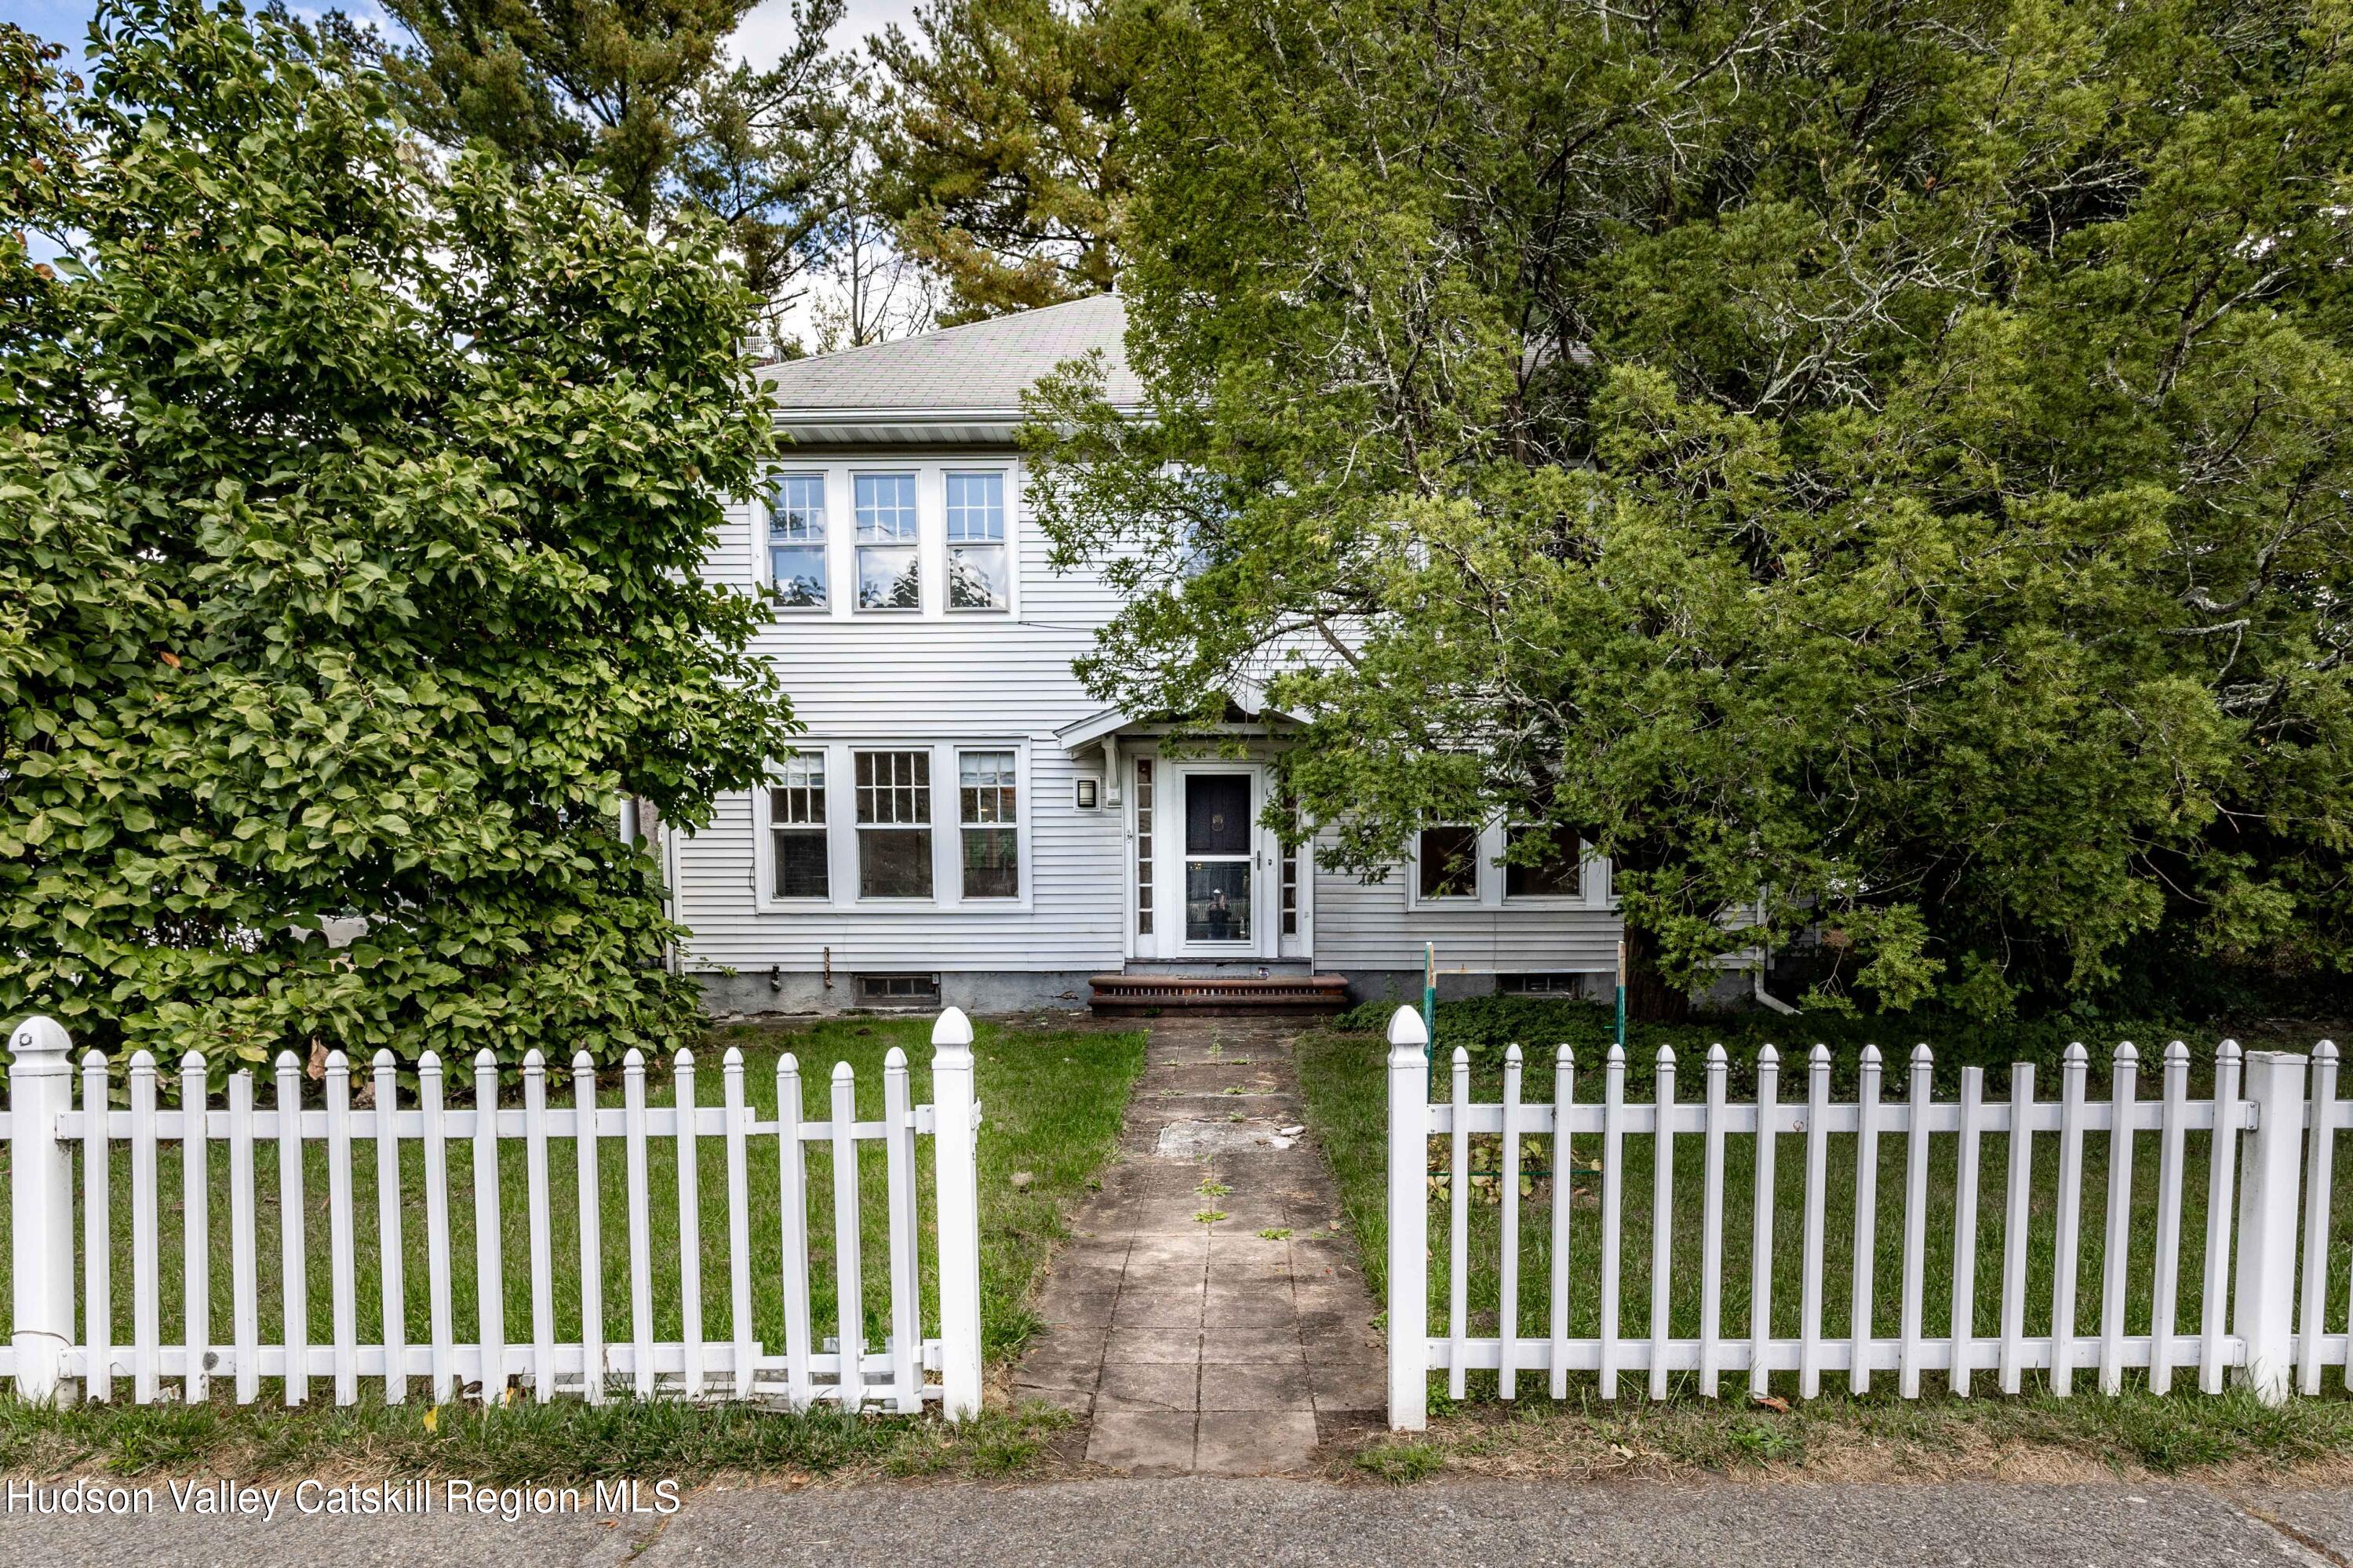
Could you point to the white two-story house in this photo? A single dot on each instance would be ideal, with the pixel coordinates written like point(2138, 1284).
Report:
point(962, 823)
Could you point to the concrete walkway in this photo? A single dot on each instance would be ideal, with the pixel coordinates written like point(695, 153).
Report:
point(1210, 1316)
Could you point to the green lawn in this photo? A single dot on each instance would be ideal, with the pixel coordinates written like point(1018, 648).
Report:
point(1052, 1099)
point(566, 1442)
point(1344, 1081)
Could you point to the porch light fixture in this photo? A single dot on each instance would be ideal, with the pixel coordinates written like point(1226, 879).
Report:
point(1086, 794)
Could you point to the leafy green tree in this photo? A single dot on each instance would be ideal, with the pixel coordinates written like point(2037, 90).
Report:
point(565, 84)
point(999, 140)
point(641, 93)
point(1878, 470)
point(350, 513)
point(772, 153)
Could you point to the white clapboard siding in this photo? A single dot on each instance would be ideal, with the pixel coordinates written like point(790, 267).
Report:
point(64, 1298)
point(934, 678)
point(2269, 1128)
point(1368, 927)
point(940, 679)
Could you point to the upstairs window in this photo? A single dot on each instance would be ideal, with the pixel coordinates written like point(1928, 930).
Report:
point(797, 828)
point(978, 578)
point(894, 825)
point(992, 840)
point(797, 540)
point(1449, 865)
point(888, 573)
point(1559, 871)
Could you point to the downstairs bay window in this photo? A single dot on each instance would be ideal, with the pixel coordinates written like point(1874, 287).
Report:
point(894, 823)
point(797, 832)
point(987, 816)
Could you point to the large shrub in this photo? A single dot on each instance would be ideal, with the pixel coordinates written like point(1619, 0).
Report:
point(350, 504)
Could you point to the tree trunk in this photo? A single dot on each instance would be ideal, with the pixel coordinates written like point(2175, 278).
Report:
point(1650, 999)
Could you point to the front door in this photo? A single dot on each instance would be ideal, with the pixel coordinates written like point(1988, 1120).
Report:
point(1221, 910)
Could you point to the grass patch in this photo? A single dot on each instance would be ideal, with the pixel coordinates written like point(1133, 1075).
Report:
point(1051, 1098)
point(563, 1442)
point(1876, 1438)
point(1343, 1079)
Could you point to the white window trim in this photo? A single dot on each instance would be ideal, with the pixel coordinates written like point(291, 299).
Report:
point(1020, 826)
point(1596, 891)
point(764, 814)
point(1012, 558)
point(946, 828)
point(1593, 890)
point(931, 470)
point(764, 563)
point(1417, 898)
point(930, 525)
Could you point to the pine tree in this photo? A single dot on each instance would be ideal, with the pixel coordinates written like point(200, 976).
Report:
point(1000, 144)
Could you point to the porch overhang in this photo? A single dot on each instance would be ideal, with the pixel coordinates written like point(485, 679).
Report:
point(1247, 705)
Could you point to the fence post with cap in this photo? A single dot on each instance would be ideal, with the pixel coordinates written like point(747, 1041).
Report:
point(40, 1209)
point(956, 1192)
point(2263, 1296)
point(1409, 1164)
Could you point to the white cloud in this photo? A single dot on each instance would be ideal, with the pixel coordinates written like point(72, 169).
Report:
point(767, 31)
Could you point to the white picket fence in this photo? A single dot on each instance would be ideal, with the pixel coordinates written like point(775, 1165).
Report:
point(63, 1344)
point(2269, 1138)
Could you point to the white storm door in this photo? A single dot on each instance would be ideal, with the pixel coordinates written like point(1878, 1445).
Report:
point(1218, 902)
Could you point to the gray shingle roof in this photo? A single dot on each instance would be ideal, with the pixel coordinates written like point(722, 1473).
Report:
point(983, 365)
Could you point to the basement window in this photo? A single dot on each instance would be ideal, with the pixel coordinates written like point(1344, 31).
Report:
point(1553, 982)
point(898, 990)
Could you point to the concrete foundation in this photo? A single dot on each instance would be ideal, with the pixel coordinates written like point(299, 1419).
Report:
point(748, 992)
point(1403, 986)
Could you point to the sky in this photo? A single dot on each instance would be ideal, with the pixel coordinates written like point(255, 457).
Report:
point(762, 37)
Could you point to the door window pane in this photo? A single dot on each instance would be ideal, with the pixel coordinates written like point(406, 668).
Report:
point(1217, 900)
point(1218, 814)
point(1144, 846)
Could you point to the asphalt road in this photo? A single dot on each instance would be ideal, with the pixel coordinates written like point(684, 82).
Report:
point(1276, 1524)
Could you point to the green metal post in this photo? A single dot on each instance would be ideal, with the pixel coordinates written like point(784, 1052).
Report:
point(1621, 994)
point(1429, 996)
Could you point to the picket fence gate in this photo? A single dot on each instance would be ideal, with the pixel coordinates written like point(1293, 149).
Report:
point(56, 1351)
point(2263, 1319)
